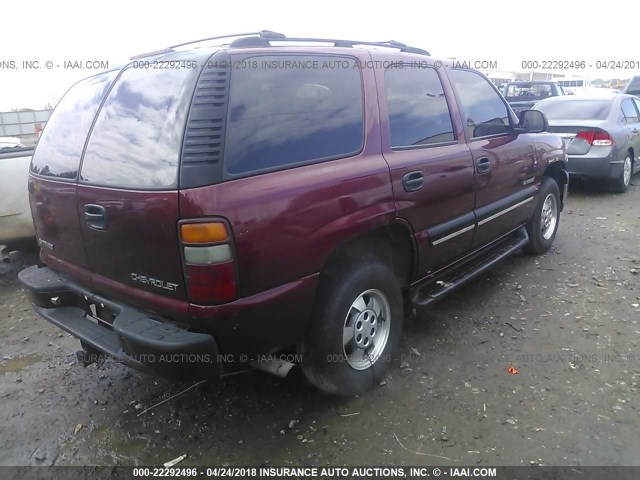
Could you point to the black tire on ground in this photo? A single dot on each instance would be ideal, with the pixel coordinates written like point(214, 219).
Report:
point(621, 184)
point(326, 362)
point(542, 228)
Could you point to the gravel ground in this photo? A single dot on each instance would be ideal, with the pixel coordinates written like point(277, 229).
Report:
point(566, 321)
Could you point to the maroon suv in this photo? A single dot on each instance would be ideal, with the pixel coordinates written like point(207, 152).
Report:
point(204, 208)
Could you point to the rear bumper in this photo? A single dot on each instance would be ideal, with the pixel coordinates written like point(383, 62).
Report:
point(124, 333)
point(594, 167)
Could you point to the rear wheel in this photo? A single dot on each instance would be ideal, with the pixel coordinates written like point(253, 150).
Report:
point(621, 184)
point(355, 329)
point(543, 225)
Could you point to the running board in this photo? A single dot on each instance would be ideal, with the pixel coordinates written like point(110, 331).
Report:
point(435, 289)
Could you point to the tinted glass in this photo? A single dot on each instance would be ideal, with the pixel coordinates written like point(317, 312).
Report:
point(484, 109)
point(629, 111)
point(418, 111)
point(576, 109)
point(60, 147)
point(288, 110)
point(137, 136)
point(525, 92)
point(637, 102)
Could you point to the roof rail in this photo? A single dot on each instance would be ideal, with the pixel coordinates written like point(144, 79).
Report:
point(351, 43)
point(264, 37)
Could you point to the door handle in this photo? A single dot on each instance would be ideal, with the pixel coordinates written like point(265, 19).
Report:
point(483, 165)
point(95, 216)
point(413, 181)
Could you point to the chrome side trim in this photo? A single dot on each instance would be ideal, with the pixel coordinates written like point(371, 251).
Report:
point(506, 210)
point(452, 235)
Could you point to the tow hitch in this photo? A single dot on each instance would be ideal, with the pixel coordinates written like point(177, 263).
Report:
point(88, 355)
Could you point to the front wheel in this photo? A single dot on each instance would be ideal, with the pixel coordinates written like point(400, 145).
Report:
point(355, 329)
point(543, 225)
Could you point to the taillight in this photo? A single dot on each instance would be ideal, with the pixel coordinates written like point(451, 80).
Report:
point(602, 139)
point(597, 138)
point(210, 266)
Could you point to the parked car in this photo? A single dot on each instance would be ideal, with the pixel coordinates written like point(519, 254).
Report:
point(597, 92)
point(633, 87)
point(10, 142)
point(601, 135)
point(524, 95)
point(266, 198)
point(16, 225)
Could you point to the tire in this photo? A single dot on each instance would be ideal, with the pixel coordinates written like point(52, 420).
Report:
point(543, 226)
point(355, 329)
point(621, 184)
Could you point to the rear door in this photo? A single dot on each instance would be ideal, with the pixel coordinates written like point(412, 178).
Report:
point(431, 166)
point(632, 123)
point(504, 160)
point(54, 174)
point(127, 199)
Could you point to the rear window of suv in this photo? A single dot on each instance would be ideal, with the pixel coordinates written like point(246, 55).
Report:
point(287, 110)
point(136, 140)
point(525, 92)
point(60, 148)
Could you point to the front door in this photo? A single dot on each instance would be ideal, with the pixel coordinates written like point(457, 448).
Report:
point(504, 160)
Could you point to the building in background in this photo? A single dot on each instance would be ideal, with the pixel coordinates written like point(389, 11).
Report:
point(499, 78)
point(26, 124)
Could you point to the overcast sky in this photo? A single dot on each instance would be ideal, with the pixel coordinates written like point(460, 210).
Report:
point(504, 31)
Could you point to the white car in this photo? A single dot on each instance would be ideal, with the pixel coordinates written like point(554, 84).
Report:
point(15, 214)
point(592, 91)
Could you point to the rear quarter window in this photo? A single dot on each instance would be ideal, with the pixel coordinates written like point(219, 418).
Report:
point(63, 139)
point(288, 110)
point(136, 140)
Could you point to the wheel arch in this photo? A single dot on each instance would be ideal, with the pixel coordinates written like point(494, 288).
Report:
point(558, 171)
point(393, 244)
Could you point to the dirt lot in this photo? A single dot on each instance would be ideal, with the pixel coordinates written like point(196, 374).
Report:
point(567, 321)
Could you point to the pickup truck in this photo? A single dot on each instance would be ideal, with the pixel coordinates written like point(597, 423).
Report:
point(524, 95)
point(16, 224)
point(263, 200)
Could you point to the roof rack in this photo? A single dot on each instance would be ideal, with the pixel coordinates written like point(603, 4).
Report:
point(264, 38)
point(351, 43)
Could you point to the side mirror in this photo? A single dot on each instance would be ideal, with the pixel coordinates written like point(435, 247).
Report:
point(532, 121)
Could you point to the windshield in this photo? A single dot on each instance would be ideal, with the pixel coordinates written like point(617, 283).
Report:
point(576, 109)
point(521, 92)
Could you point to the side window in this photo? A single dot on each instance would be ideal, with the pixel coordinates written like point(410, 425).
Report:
point(637, 102)
point(60, 147)
point(289, 110)
point(418, 110)
point(484, 110)
point(629, 111)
